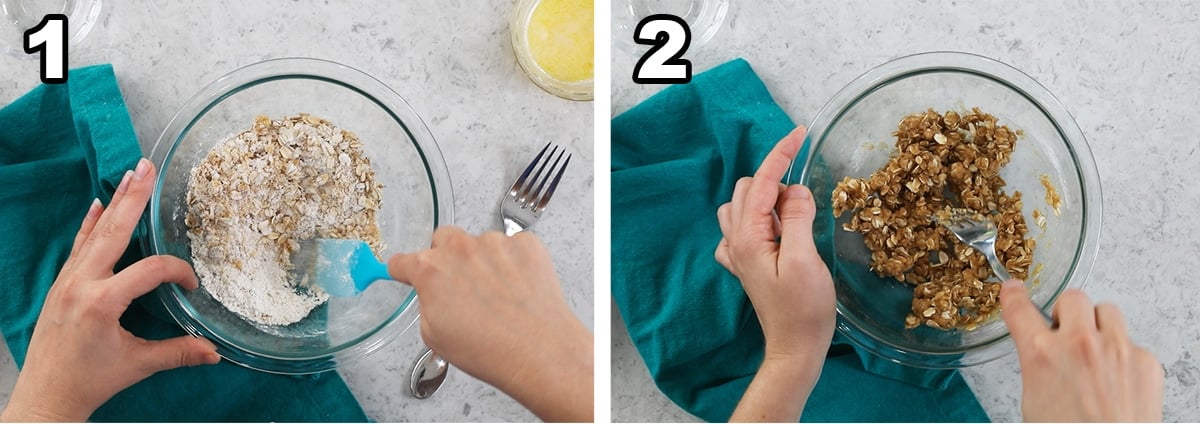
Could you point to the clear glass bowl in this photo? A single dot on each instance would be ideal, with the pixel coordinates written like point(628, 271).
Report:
point(416, 199)
point(851, 136)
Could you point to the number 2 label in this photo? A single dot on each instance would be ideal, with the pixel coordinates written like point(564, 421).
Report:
point(669, 37)
point(49, 38)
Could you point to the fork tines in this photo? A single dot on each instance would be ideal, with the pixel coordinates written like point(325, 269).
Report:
point(528, 192)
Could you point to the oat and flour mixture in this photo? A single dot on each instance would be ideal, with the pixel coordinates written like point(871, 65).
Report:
point(940, 162)
point(258, 193)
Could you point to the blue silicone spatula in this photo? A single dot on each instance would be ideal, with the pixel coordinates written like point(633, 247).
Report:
point(344, 268)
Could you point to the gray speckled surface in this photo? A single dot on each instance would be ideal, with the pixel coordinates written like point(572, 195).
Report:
point(1128, 71)
point(450, 59)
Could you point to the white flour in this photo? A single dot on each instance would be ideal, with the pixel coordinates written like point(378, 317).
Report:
point(260, 192)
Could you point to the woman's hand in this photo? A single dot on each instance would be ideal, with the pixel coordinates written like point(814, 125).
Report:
point(1086, 370)
point(79, 355)
point(492, 306)
point(787, 282)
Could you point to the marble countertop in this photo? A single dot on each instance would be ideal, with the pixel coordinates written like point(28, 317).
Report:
point(1128, 71)
point(451, 60)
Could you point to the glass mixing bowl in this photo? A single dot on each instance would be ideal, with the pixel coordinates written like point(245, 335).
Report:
point(416, 199)
point(851, 136)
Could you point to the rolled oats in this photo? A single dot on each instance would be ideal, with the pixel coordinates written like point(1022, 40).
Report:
point(940, 162)
point(258, 193)
point(1052, 197)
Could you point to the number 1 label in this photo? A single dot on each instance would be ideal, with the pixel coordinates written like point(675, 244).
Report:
point(49, 38)
point(662, 64)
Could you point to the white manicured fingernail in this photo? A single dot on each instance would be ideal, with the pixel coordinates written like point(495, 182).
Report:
point(124, 182)
point(143, 168)
point(94, 209)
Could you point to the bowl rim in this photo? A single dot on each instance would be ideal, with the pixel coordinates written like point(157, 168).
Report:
point(318, 70)
point(1036, 94)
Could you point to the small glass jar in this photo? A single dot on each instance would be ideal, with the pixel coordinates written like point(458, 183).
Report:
point(559, 56)
point(704, 19)
point(17, 16)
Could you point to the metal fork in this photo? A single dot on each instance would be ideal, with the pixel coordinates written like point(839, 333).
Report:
point(980, 233)
point(525, 201)
point(974, 230)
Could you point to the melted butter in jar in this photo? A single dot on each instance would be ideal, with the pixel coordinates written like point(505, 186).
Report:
point(560, 38)
point(553, 42)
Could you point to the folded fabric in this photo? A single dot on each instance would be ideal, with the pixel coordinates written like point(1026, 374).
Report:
point(675, 159)
point(61, 146)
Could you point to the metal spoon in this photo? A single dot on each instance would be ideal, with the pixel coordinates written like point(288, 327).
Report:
point(345, 268)
point(428, 374)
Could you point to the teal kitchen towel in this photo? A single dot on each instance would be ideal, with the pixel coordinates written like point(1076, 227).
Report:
point(61, 146)
point(675, 159)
